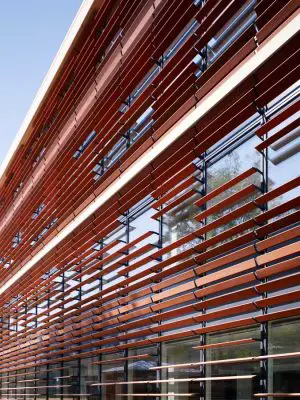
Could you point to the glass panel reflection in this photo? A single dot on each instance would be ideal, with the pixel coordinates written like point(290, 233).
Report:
point(284, 375)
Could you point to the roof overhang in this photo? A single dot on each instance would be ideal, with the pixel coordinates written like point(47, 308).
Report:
point(82, 16)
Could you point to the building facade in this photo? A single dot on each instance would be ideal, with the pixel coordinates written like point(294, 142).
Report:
point(149, 219)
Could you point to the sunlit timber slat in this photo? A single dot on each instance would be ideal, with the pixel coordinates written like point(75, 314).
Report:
point(117, 360)
point(226, 344)
point(213, 378)
point(157, 395)
point(274, 395)
point(232, 361)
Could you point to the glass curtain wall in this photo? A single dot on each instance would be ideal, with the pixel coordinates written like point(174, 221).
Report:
point(79, 378)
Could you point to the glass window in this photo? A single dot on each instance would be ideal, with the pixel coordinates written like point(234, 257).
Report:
point(283, 155)
point(89, 374)
point(140, 224)
point(284, 374)
point(227, 167)
point(114, 372)
point(233, 389)
point(180, 221)
point(181, 353)
point(139, 370)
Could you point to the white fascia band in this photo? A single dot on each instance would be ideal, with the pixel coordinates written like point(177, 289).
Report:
point(48, 80)
point(237, 75)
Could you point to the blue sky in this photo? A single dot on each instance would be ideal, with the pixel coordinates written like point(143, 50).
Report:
point(31, 32)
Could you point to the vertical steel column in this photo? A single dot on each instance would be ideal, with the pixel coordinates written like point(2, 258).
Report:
point(202, 338)
point(126, 363)
point(47, 365)
point(100, 358)
point(202, 356)
point(79, 359)
point(35, 368)
point(264, 326)
point(159, 345)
